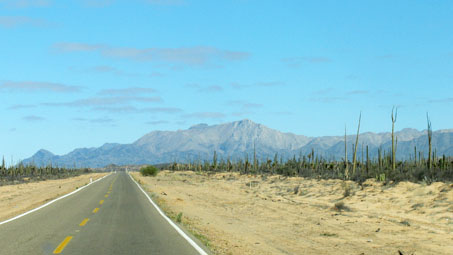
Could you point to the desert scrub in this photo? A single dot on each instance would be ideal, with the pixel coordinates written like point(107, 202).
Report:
point(179, 217)
point(340, 206)
point(149, 171)
point(347, 189)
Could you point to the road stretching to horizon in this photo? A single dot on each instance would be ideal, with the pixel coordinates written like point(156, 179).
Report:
point(111, 216)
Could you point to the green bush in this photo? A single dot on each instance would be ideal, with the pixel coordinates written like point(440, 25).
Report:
point(179, 217)
point(149, 171)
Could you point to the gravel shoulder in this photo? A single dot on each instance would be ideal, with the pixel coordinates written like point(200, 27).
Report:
point(239, 214)
point(20, 198)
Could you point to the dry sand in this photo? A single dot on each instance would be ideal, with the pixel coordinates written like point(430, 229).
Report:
point(278, 215)
point(19, 198)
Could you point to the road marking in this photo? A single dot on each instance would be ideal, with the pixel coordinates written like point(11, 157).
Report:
point(95, 210)
point(108, 192)
point(51, 202)
point(84, 222)
point(62, 245)
point(106, 196)
point(184, 235)
point(101, 202)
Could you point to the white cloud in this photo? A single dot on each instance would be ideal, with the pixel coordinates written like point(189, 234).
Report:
point(33, 86)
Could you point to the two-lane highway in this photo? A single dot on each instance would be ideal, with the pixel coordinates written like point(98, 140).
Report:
point(112, 216)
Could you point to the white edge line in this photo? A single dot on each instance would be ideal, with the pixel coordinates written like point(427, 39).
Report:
point(188, 239)
point(51, 202)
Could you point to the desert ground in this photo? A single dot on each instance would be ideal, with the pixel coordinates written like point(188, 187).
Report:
point(239, 214)
point(19, 198)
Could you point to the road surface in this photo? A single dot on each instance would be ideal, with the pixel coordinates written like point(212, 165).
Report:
point(111, 216)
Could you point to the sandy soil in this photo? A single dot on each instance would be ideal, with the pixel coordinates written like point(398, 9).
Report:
point(19, 198)
point(277, 215)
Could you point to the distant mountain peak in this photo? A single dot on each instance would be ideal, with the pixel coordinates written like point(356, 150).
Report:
point(199, 126)
point(43, 152)
point(234, 140)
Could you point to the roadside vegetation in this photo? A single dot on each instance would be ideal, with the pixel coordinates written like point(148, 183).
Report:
point(149, 171)
point(384, 168)
point(21, 173)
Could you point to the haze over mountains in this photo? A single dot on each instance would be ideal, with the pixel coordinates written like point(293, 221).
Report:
point(237, 139)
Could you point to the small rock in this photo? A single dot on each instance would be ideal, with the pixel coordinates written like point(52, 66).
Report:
point(379, 229)
point(369, 240)
point(163, 193)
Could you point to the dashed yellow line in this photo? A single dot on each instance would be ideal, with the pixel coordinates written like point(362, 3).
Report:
point(101, 202)
point(95, 210)
point(106, 196)
point(62, 245)
point(84, 222)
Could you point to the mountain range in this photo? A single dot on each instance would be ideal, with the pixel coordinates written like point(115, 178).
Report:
point(237, 140)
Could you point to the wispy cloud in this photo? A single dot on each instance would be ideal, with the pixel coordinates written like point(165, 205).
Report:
point(132, 109)
point(116, 109)
point(358, 92)
point(237, 85)
point(244, 105)
point(96, 120)
point(15, 21)
point(204, 115)
point(298, 61)
point(127, 91)
point(211, 89)
point(156, 74)
point(21, 106)
point(33, 118)
point(203, 89)
point(169, 110)
point(32, 86)
point(25, 3)
point(104, 101)
point(442, 100)
point(157, 122)
point(77, 47)
point(110, 70)
point(190, 56)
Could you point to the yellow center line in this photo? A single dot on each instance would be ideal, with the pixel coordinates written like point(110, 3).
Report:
point(84, 222)
point(62, 245)
point(106, 196)
point(101, 202)
point(95, 210)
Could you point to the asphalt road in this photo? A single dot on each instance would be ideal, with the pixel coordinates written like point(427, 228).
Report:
point(124, 222)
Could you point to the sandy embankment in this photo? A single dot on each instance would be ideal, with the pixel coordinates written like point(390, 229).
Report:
point(277, 215)
point(19, 198)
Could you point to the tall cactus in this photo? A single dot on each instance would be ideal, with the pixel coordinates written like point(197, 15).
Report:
point(354, 158)
point(345, 154)
point(254, 156)
point(394, 116)
point(430, 137)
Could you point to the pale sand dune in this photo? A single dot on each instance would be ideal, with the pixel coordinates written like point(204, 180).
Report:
point(19, 198)
point(267, 217)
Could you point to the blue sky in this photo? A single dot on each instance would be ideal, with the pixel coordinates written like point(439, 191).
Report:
point(82, 73)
